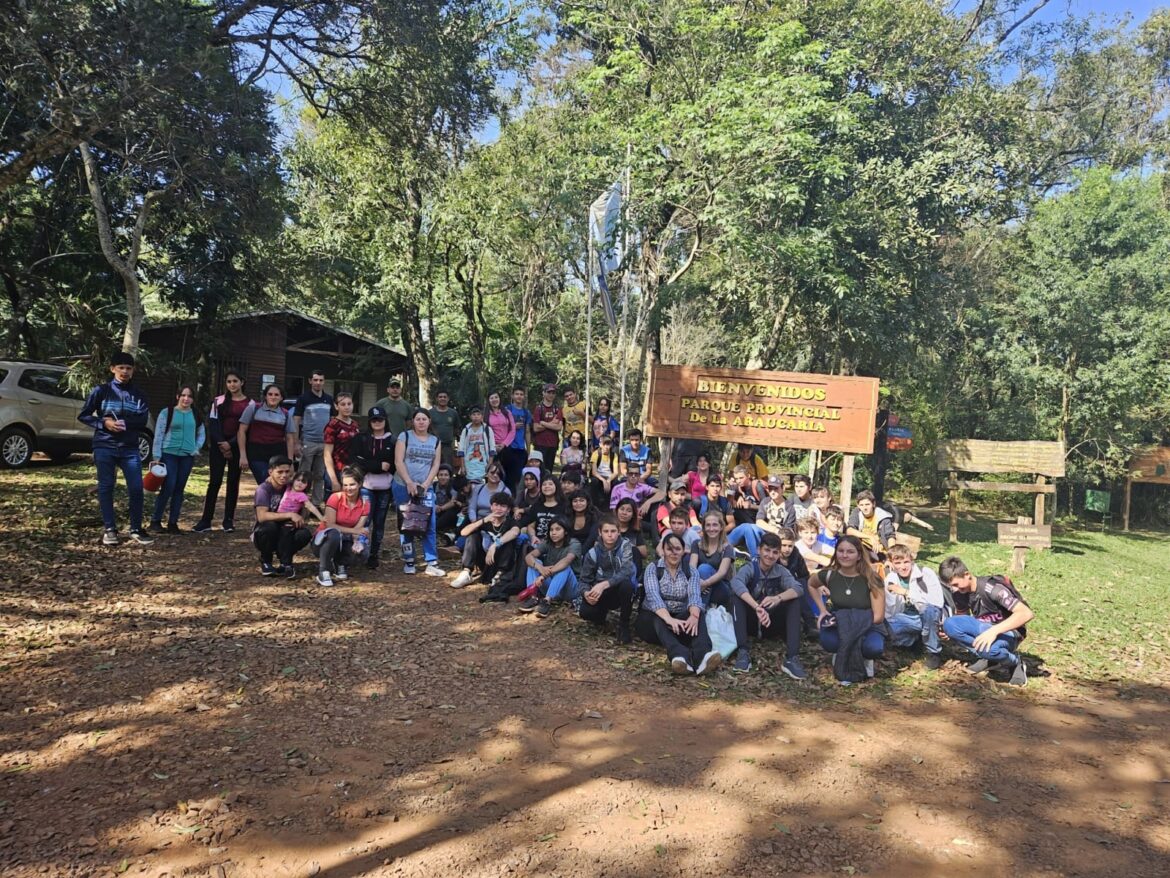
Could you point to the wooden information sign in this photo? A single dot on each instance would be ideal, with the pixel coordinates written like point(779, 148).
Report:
point(1046, 459)
point(983, 456)
point(1032, 536)
point(1149, 465)
point(772, 409)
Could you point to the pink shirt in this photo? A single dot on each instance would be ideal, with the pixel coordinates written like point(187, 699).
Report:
point(503, 427)
point(293, 501)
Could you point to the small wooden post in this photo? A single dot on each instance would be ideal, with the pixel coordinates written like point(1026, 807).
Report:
point(1038, 516)
point(1019, 553)
point(954, 504)
point(1125, 504)
point(846, 483)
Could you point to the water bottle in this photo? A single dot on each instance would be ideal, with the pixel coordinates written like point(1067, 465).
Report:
point(361, 543)
point(460, 520)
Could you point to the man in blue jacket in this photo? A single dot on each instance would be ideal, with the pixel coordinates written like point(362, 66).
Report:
point(118, 411)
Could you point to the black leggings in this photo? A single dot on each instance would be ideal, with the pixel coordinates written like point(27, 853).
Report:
point(218, 463)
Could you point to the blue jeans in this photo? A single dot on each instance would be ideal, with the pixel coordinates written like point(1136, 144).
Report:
point(908, 627)
point(108, 462)
point(178, 471)
point(379, 508)
point(719, 594)
point(749, 535)
point(872, 644)
point(560, 586)
point(430, 544)
point(964, 630)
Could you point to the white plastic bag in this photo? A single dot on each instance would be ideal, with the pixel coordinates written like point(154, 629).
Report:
point(721, 630)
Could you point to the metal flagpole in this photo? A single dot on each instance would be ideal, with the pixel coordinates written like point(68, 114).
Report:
point(588, 323)
point(624, 341)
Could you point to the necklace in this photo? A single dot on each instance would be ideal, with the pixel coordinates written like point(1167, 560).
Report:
point(850, 581)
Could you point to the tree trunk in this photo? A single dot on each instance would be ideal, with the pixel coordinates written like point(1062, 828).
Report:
point(472, 296)
point(424, 366)
point(125, 266)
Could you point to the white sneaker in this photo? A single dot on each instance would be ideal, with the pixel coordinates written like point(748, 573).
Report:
point(462, 580)
point(342, 572)
point(324, 579)
point(678, 665)
point(869, 668)
point(711, 661)
point(110, 538)
point(408, 569)
point(435, 570)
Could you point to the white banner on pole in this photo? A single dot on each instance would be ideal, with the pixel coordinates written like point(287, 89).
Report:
point(604, 220)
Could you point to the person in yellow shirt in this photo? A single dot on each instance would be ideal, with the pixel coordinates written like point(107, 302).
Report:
point(746, 456)
point(573, 413)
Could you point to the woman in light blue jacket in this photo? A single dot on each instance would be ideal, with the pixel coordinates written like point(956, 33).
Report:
point(178, 436)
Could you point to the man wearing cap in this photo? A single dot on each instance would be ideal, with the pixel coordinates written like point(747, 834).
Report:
point(445, 424)
point(117, 411)
point(477, 446)
point(547, 422)
point(678, 497)
point(770, 518)
point(398, 411)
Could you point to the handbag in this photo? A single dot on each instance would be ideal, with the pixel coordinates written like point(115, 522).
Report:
point(721, 630)
point(416, 517)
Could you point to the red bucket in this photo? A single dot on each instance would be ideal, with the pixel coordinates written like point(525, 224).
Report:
point(154, 477)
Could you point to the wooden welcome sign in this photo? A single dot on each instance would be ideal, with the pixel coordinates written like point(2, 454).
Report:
point(772, 409)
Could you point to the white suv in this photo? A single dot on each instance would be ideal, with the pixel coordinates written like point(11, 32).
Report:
point(38, 412)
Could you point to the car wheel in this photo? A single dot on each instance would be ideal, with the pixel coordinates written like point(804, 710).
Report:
point(145, 440)
point(16, 448)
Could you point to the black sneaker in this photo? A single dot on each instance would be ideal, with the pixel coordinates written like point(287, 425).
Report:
point(228, 526)
point(201, 527)
point(1019, 675)
point(529, 604)
point(624, 635)
point(173, 529)
point(139, 537)
point(290, 571)
point(155, 527)
point(110, 537)
point(372, 563)
point(543, 609)
point(743, 661)
point(266, 569)
point(978, 667)
point(934, 661)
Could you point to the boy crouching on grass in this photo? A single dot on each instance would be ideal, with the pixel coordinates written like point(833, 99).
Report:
point(996, 620)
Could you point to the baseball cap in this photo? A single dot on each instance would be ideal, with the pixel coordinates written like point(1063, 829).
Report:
point(550, 387)
point(394, 382)
point(377, 413)
point(680, 482)
point(775, 482)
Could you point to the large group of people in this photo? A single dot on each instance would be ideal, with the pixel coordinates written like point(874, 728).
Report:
point(549, 508)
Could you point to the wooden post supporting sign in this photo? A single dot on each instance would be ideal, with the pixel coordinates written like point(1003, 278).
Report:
point(846, 483)
point(1022, 536)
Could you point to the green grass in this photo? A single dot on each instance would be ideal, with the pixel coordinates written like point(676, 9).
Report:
point(1102, 599)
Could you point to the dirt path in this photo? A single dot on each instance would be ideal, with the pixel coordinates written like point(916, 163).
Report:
point(170, 712)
